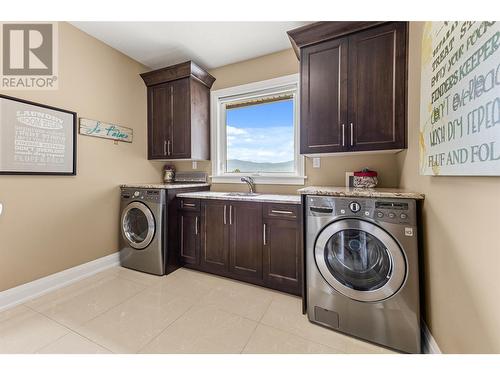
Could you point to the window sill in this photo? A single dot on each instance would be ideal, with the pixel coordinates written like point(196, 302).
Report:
point(260, 180)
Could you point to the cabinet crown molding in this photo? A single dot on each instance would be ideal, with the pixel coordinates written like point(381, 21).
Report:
point(182, 70)
point(320, 31)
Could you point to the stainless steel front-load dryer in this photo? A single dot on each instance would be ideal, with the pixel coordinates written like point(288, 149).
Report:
point(142, 244)
point(362, 269)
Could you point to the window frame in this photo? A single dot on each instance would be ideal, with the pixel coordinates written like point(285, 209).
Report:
point(218, 99)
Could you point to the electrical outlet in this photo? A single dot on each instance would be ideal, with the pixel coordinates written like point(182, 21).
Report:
point(195, 164)
point(316, 162)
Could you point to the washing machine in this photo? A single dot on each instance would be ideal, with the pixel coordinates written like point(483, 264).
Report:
point(362, 269)
point(142, 240)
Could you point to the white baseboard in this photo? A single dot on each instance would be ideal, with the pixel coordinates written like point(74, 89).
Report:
point(22, 293)
point(429, 344)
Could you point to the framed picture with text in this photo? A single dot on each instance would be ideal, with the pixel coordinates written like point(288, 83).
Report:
point(36, 139)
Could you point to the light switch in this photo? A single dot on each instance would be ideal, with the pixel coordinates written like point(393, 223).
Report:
point(195, 164)
point(316, 163)
point(1, 208)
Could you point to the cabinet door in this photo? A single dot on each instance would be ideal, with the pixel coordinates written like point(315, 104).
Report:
point(323, 84)
point(245, 240)
point(189, 228)
point(283, 255)
point(159, 102)
point(377, 88)
point(214, 235)
point(179, 146)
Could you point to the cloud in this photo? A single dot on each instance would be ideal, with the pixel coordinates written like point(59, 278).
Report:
point(272, 144)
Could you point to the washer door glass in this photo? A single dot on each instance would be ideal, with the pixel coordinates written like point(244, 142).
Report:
point(138, 225)
point(360, 260)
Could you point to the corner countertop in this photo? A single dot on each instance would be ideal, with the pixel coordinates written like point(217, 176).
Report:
point(360, 192)
point(177, 185)
point(270, 198)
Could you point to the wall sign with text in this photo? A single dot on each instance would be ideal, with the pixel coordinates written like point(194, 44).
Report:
point(36, 138)
point(101, 129)
point(460, 99)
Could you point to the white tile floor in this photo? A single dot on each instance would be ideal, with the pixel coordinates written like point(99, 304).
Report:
point(123, 311)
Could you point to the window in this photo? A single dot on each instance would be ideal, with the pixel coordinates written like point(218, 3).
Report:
point(255, 133)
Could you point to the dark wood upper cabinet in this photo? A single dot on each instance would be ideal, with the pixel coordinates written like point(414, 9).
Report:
point(323, 97)
point(245, 236)
point(377, 88)
point(353, 86)
point(178, 112)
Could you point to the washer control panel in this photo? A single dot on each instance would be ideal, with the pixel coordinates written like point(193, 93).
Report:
point(396, 211)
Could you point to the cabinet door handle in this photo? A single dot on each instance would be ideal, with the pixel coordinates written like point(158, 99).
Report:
point(188, 204)
point(224, 214)
point(168, 147)
point(264, 234)
point(231, 215)
point(343, 134)
point(352, 136)
point(282, 212)
point(196, 225)
point(164, 147)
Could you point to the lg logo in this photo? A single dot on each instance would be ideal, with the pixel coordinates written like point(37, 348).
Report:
point(27, 49)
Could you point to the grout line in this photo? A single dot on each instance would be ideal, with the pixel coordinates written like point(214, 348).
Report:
point(304, 338)
point(68, 328)
point(103, 312)
point(163, 330)
point(249, 338)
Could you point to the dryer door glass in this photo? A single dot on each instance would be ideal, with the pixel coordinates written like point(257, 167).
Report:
point(138, 225)
point(358, 260)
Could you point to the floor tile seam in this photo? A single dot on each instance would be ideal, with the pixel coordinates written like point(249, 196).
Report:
point(86, 322)
point(164, 329)
point(304, 338)
point(69, 329)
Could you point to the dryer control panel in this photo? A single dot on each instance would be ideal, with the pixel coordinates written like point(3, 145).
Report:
point(147, 195)
point(396, 211)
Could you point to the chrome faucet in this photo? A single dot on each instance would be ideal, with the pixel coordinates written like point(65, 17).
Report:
point(251, 183)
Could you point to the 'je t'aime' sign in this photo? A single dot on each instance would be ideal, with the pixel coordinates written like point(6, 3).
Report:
point(460, 99)
point(105, 130)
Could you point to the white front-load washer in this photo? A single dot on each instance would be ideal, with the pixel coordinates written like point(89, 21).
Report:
point(362, 268)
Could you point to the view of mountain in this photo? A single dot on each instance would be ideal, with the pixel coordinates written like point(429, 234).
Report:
point(250, 166)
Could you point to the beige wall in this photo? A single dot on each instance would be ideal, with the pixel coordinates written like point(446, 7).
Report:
point(333, 168)
point(53, 223)
point(461, 247)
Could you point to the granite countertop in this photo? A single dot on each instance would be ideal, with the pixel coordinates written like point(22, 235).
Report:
point(177, 185)
point(271, 198)
point(360, 192)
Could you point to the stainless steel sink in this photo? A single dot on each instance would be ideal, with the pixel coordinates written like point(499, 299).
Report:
point(242, 194)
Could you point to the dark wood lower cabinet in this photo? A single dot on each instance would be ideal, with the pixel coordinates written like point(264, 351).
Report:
point(245, 240)
point(189, 226)
point(214, 244)
point(283, 255)
point(248, 241)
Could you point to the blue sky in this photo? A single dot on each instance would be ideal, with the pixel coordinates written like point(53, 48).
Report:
point(261, 133)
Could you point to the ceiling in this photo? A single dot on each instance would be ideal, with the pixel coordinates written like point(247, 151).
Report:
point(211, 44)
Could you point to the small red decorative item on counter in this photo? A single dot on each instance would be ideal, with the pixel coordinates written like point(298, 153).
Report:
point(365, 179)
point(168, 173)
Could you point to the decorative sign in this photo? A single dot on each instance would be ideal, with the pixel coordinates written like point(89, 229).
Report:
point(460, 99)
point(36, 139)
point(100, 129)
